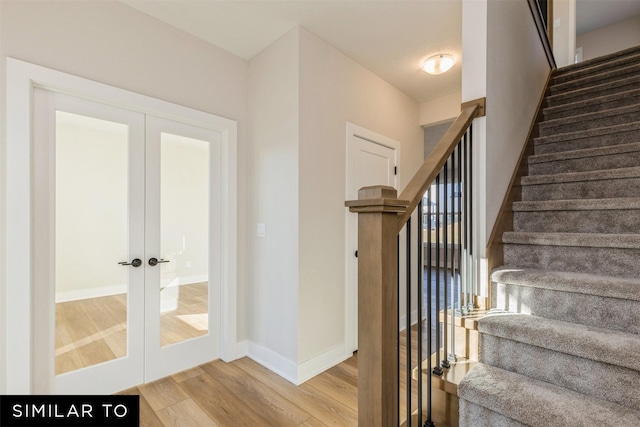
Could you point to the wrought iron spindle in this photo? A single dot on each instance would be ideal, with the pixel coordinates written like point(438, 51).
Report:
point(445, 272)
point(437, 370)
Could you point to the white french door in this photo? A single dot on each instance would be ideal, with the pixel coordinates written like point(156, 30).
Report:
point(126, 252)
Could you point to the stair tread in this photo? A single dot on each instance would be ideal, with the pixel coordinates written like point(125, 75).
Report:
point(564, 281)
point(584, 153)
point(570, 136)
point(576, 105)
point(567, 69)
point(618, 203)
point(590, 240)
point(596, 77)
point(616, 61)
point(451, 377)
point(579, 118)
point(632, 172)
point(535, 402)
point(602, 345)
point(606, 86)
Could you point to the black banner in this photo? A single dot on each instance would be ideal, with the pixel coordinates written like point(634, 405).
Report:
point(59, 411)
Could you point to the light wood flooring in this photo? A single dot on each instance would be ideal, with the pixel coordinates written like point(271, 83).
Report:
point(94, 330)
point(244, 393)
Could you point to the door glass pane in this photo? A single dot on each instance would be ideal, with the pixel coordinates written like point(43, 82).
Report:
point(184, 242)
point(91, 237)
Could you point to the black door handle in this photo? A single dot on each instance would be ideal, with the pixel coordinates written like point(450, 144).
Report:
point(136, 262)
point(156, 261)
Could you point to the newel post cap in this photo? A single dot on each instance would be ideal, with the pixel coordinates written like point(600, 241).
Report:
point(379, 198)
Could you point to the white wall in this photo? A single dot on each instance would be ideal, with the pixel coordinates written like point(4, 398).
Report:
point(302, 92)
point(564, 34)
point(333, 90)
point(274, 188)
point(111, 43)
point(511, 73)
point(441, 109)
point(609, 39)
point(517, 72)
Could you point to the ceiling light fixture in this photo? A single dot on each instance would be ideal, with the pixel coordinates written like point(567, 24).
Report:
point(438, 64)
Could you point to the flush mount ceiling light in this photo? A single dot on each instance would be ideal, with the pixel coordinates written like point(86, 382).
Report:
point(438, 64)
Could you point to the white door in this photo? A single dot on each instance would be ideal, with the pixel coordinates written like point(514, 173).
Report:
point(371, 160)
point(126, 245)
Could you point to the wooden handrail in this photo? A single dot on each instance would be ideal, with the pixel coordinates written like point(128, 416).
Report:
point(414, 191)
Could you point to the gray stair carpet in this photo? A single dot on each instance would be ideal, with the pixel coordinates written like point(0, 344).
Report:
point(561, 345)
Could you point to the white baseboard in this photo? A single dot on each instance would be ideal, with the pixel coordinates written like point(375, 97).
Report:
point(273, 361)
point(321, 363)
point(289, 370)
point(187, 280)
point(106, 291)
point(79, 294)
point(242, 349)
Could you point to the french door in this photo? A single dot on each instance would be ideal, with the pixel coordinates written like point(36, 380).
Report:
point(126, 252)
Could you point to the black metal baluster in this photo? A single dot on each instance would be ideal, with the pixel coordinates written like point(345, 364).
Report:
point(452, 277)
point(408, 320)
point(429, 421)
point(420, 284)
point(459, 194)
point(437, 370)
point(464, 213)
point(397, 322)
point(472, 272)
point(445, 233)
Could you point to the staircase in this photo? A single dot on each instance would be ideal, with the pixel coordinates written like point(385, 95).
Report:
point(562, 345)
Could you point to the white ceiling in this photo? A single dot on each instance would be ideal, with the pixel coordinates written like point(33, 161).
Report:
point(389, 37)
point(593, 14)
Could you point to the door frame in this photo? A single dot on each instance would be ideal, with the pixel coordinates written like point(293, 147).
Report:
point(18, 364)
point(351, 226)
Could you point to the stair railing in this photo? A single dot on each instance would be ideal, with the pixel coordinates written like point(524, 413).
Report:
point(445, 178)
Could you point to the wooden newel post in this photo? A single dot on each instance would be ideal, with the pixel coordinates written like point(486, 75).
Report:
point(377, 209)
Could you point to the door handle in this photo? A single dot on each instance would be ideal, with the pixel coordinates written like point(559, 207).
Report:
point(136, 262)
point(156, 261)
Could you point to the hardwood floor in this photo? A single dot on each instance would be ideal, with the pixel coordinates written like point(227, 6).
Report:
point(244, 393)
point(94, 330)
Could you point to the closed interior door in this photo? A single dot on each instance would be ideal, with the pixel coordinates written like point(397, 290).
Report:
point(371, 160)
point(127, 256)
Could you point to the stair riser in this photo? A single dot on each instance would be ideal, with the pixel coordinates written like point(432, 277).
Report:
point(592, 107)
point(600, 380)
point(608, 188)
point(587, 93)
point(601, 60)
point(472, 415)
point(585, 221)
point(595, 141)
point(613, 161)
point(595, 80)
point(593, 123)
point(601, 261)
point(591, 310)
point(610, 65)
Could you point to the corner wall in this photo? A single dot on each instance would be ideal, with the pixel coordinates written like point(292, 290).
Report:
point(273, 191)
point(335, 89)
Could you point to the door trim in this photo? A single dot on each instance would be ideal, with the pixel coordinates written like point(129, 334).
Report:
point(351, 302)
point(22, 77)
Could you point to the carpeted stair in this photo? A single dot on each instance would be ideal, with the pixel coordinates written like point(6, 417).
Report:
point(562, 345)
